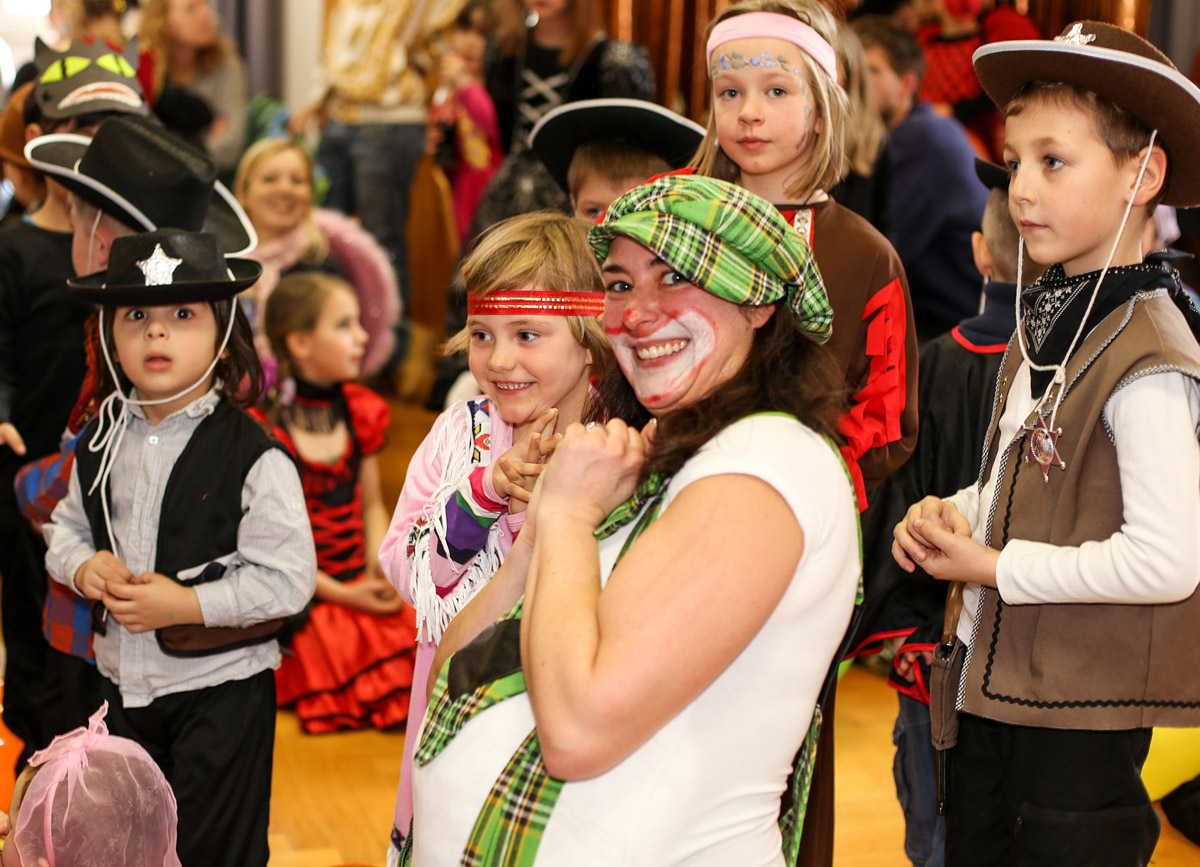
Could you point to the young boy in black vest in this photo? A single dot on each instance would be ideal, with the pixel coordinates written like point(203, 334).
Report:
point(104, 182)
point(1079, 547)
point(186, 527)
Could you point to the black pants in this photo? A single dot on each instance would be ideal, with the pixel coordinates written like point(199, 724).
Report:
point(215, 747)
point(73, 692)
point(1033, 797)
point(23, 591)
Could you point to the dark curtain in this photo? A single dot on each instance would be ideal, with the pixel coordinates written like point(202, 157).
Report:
point(255, 27)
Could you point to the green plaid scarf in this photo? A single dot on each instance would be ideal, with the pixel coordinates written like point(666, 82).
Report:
point(513, 819)
point(725, 240)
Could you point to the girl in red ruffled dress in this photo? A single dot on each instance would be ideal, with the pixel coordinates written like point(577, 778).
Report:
point(351, 663)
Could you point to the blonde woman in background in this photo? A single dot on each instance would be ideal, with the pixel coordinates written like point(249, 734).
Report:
point(274, 185)
point(181, 45)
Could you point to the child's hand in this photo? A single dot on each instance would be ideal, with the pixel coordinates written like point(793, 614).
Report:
point(953, 556)
point(910, 543)
point(94, 575)
point(905, 662)
point(371, 594)
point(594, 470)
point(11, 437)
point(516, 470)
point(152, 601)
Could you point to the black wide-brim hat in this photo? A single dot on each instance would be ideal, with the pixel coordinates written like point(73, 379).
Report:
point(559, 133)
point(1119, 66)
point(992, 176)
point(169, 266)
point(145, 177)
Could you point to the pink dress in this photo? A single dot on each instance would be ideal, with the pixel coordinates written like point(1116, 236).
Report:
point(448, 536)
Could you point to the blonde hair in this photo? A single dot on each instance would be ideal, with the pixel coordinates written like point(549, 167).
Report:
point(295, 305)
point(152, 40)
point(512, 34)
point(826, 152)
point(614, 162)
point(546, 251)
point(865, 131)
point(316, 245)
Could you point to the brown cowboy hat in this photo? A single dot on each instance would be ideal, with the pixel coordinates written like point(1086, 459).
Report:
point(1119, 66)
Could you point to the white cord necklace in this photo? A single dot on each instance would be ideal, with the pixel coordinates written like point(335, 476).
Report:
point(1043, 437)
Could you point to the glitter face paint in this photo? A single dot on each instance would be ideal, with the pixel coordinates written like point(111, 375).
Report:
point(764, 113)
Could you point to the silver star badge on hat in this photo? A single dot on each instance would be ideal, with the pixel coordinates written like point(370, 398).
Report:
point(1076, 36)
point(159, 268)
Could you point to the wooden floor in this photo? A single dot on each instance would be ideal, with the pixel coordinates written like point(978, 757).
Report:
point(333, 794)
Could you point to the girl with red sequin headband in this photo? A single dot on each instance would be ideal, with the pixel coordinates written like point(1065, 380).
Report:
point(777, 127)
point(534, 343)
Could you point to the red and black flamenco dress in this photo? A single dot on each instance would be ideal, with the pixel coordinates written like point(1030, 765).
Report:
point(344, 668)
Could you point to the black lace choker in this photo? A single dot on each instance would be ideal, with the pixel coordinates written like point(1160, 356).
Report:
point(315, 408)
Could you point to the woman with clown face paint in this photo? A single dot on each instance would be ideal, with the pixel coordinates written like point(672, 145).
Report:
point(638, 683)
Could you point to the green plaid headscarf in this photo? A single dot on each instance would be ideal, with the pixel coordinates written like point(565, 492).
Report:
point(724, 239)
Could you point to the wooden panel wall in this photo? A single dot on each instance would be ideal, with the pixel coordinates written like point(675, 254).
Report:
point(673, 33)
point(1053, 15)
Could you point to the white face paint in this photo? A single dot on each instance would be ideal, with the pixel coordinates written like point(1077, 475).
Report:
point(661, 365)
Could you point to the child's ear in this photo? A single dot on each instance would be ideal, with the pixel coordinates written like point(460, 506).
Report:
point(32, 131)
point(299, 344)
point(983, 256)
point(1154, 177)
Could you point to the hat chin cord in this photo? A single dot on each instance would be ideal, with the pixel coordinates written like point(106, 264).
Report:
point(112, 422)
point(1060, 369)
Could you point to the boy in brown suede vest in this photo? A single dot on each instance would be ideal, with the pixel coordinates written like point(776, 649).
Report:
point(1079, 547)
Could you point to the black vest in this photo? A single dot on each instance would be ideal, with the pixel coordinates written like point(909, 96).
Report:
point(198, 523)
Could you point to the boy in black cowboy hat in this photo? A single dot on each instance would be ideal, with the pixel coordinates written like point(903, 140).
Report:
point(130, 177)
point(1079, 547)
point(42, 357)
point(185, 526)
point(596, 149)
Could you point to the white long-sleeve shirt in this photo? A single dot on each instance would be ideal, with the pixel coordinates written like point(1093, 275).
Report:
point(271, 574)
point(1155, 556)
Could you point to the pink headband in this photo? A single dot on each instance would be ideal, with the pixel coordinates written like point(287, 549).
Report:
point(772, 25)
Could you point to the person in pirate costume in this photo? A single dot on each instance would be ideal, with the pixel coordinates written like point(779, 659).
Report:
point(547, 54)
point(41, 355)
point(595, 702)
point(1075, 631)
point(184, 524)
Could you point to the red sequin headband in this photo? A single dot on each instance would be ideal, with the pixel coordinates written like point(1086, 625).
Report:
point(514, 302)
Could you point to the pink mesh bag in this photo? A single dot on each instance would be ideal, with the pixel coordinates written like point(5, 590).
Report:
point(97, 800)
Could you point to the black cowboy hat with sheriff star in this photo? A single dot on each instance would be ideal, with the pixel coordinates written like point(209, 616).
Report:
point(169, 266)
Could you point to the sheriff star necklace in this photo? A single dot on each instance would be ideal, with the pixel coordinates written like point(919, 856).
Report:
point(1043, 447)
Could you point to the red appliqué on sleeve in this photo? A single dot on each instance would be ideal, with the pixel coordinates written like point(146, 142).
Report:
point(369, 416)
point(874, 418)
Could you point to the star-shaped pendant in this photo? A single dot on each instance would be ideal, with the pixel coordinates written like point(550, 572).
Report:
point(1076, 36)
point(159, 268)
point(1043, 447)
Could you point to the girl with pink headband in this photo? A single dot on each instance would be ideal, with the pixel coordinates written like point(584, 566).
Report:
point(778, 127)
point(534, 342)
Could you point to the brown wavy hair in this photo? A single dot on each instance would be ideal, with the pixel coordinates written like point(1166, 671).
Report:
point(784, 372)
point(512, 34)
point(152, 41)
